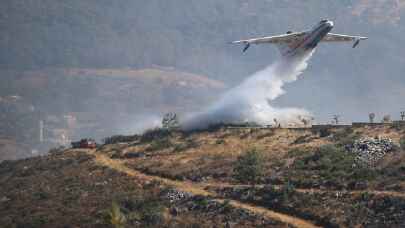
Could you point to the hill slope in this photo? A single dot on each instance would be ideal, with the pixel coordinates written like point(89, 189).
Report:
point(77, 102)
point(308, 181)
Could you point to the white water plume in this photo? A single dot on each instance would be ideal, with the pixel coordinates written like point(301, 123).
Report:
point(251, 100)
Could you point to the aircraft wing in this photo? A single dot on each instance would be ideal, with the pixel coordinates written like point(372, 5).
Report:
point(280, 39)
point(331, 37)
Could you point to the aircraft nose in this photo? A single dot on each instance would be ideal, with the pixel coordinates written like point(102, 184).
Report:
point(330, 23)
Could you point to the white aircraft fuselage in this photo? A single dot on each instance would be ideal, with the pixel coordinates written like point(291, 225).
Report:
point(296, 43)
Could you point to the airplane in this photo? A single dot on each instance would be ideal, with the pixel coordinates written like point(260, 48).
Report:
point(294, 43)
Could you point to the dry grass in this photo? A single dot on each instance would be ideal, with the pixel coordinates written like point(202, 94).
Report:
point(196, 190)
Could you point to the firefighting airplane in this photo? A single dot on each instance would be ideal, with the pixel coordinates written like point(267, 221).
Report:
point(295, 43)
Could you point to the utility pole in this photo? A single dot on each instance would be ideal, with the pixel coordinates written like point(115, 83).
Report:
point(41, 131)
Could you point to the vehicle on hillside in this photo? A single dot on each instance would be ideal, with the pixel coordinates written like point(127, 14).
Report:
point(84, 144)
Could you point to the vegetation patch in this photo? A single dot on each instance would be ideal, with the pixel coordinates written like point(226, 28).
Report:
point(345, 137)
point(154, 134)
point(120, 139)
point(402, 142)
point(249, 167)
point(329, 165)
point(322, 132)
point(159, 144)
point(182, 146)
point(302, 139)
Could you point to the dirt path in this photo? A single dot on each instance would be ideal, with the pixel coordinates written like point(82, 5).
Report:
point(198, 190)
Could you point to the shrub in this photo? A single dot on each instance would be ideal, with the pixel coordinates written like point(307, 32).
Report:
point(323, 132)
point(402, 142)
point(41, 195)
point(302, 139)
point(188, 144)
point(148, 211)
point(331, 159)
point(345, 137)
point(115, 217)
point(120, 139)
point(249, 167)
point(333, 165)
point(57, 150)
point(226, 206)
point(201, 202)
point(170, 121)
point(152, 134)
point(37, 221)
point(159, 144)
point(296, 152)
point(288, 189)
point(180, 147)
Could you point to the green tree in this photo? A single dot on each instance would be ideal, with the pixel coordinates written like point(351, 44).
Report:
point(249, 167)
point(170, 121)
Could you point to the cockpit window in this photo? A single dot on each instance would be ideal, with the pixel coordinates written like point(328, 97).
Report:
point(323, 21)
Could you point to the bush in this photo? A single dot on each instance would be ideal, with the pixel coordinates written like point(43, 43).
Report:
point(57, 150)
point(148, 211)
point(188, 144)
point(120, 139)
point(249, 167)
point(330, 160)
point(226, 206)
point(332, 165)
point(345, 137)
point(324, 132)
point(288, 189)
point(159, 144)
point(297, 152)
point(201, 202)
point(302, 139)
point(115, 217)
point(153, 134)
point(402, 142)
point(170, 121)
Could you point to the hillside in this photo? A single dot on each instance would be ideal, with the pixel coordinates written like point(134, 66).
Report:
point(81, 102)
point(178, 179)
